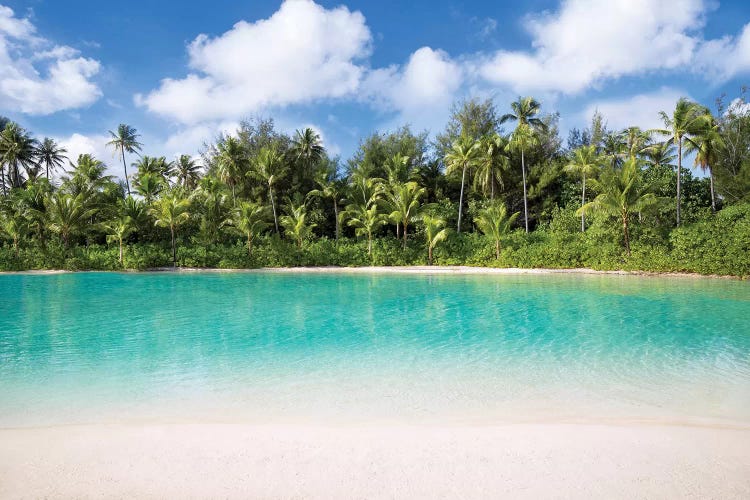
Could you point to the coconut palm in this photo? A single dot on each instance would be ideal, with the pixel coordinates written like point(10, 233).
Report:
point(14, 223)
point(171, 211)
point(17, 150)
point(232, 162)
point(250, 219)
point(403, 201)
point(660, 154)
point(622, 192)
point(51, 155)
point(636, 140)
point(69, 215)
point(493, 221)
point(125, 140)
point(397, 168)
point(307, 149)
point(435, 232)
point(687, 120)
point(295, 223)
point(270, 168)
point(333, 189)
point(707, 145)
point(117, 230)
point(525, 111)
point(614, 149)
point(149, 185)
point(584, 162)
point(137, 211)
point(461, 157)
point(366, 220)
point(187, 170)
point(157, 167)
point(491, 162)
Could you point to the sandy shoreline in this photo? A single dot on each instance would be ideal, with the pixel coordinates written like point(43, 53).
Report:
point(443, 270)
point(375, 461)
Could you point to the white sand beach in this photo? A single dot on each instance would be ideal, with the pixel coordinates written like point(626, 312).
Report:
point(158, 460)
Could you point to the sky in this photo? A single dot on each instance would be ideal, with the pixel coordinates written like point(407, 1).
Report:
point(182, 72)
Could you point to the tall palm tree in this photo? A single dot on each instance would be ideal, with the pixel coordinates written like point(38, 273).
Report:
point(404, 204)
point(250, 219)
point(435, 232)
point(171, 211)
point(686, 121)
point(493, 221)
point(149, 185)
point(187, 170)
point(461, 157)
point(307, 149)
point(584, 162)
point(125, 140)
point(269, 167)
point(492, 161)
point(232, 162)
point(660, 154)
point(636, 140)
point(332, 189)
point(622, 192)
point(707, 145)
point(51, 155)
point(69, 214)
point(17, 150)
point(295, 223)
point(525, 111)
point(614, 148)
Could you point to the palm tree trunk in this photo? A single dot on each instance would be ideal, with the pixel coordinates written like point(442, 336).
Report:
point(461, 199)
point(336, 214)
point(398, 232)
point(46, 166)
point(369, 244)
point(679, 176)
point(2, 177)
point(713, 196)
point(492, 187)
point(127, 182)
point(405, 231)
point(429, 254)
point(174, 248)
point(249, 245)
point(525, 203)
point(625, 231)
point(15, 245)
point(273, 207)
point(120, 251)
point(497, 249)
point(583, 202)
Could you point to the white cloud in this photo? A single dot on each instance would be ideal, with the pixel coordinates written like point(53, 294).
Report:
point(78, 144)
point(640, 110)
point(588, 41)
point(725, 57)
point(190, 140)
point(421, 91)
point(302, 53)
point(38, 78)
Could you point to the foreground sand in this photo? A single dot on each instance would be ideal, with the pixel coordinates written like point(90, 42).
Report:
point(375, 461)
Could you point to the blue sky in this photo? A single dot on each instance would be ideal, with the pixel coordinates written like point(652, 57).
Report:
point(182, 71)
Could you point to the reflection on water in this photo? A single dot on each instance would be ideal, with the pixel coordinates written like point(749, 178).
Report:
point(88, 347)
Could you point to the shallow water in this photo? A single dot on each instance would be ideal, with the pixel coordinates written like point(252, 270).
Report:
point(261, 347)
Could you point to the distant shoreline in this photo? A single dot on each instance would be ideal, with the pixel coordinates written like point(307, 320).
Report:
point(440, 270)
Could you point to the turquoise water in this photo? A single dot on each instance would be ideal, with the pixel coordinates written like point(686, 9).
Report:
point(103, 347)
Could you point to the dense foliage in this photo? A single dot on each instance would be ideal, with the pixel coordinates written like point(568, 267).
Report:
point(478, 195)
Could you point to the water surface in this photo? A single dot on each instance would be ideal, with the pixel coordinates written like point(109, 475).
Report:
point(268, 347)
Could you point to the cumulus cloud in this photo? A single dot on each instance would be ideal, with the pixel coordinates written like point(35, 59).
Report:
point(726, 57)
point(588, 41)
point(37, 77)
point(302, 53)
point(640, 110)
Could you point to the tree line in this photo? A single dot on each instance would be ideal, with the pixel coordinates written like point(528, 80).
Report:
point(495, 182)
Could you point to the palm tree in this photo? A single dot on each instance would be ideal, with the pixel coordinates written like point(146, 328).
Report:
point(117, 230)
point(231, 160)
point(435, 232)
point(125, 141)
point(17, 150)
point(636, 140)
point(307, 149)
point(404, 204)
point(397, 168)
point(622, 192)
point(250, 219)
point(584, 162)
point(269, 168)
point(493, 221)
point(51, 155)
point(14, 222)
point(187, 171)
point(462, 156)
point(366, 220)
point(332, 189)
point(707, 145)
point(524, 112)
point(295, 223)
point(492, 161)
point(69, 214)
point(158, 167)
point(149, 185)
point(687, 120)
point(171, 211)
point(614, 148)
point(660, 154)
